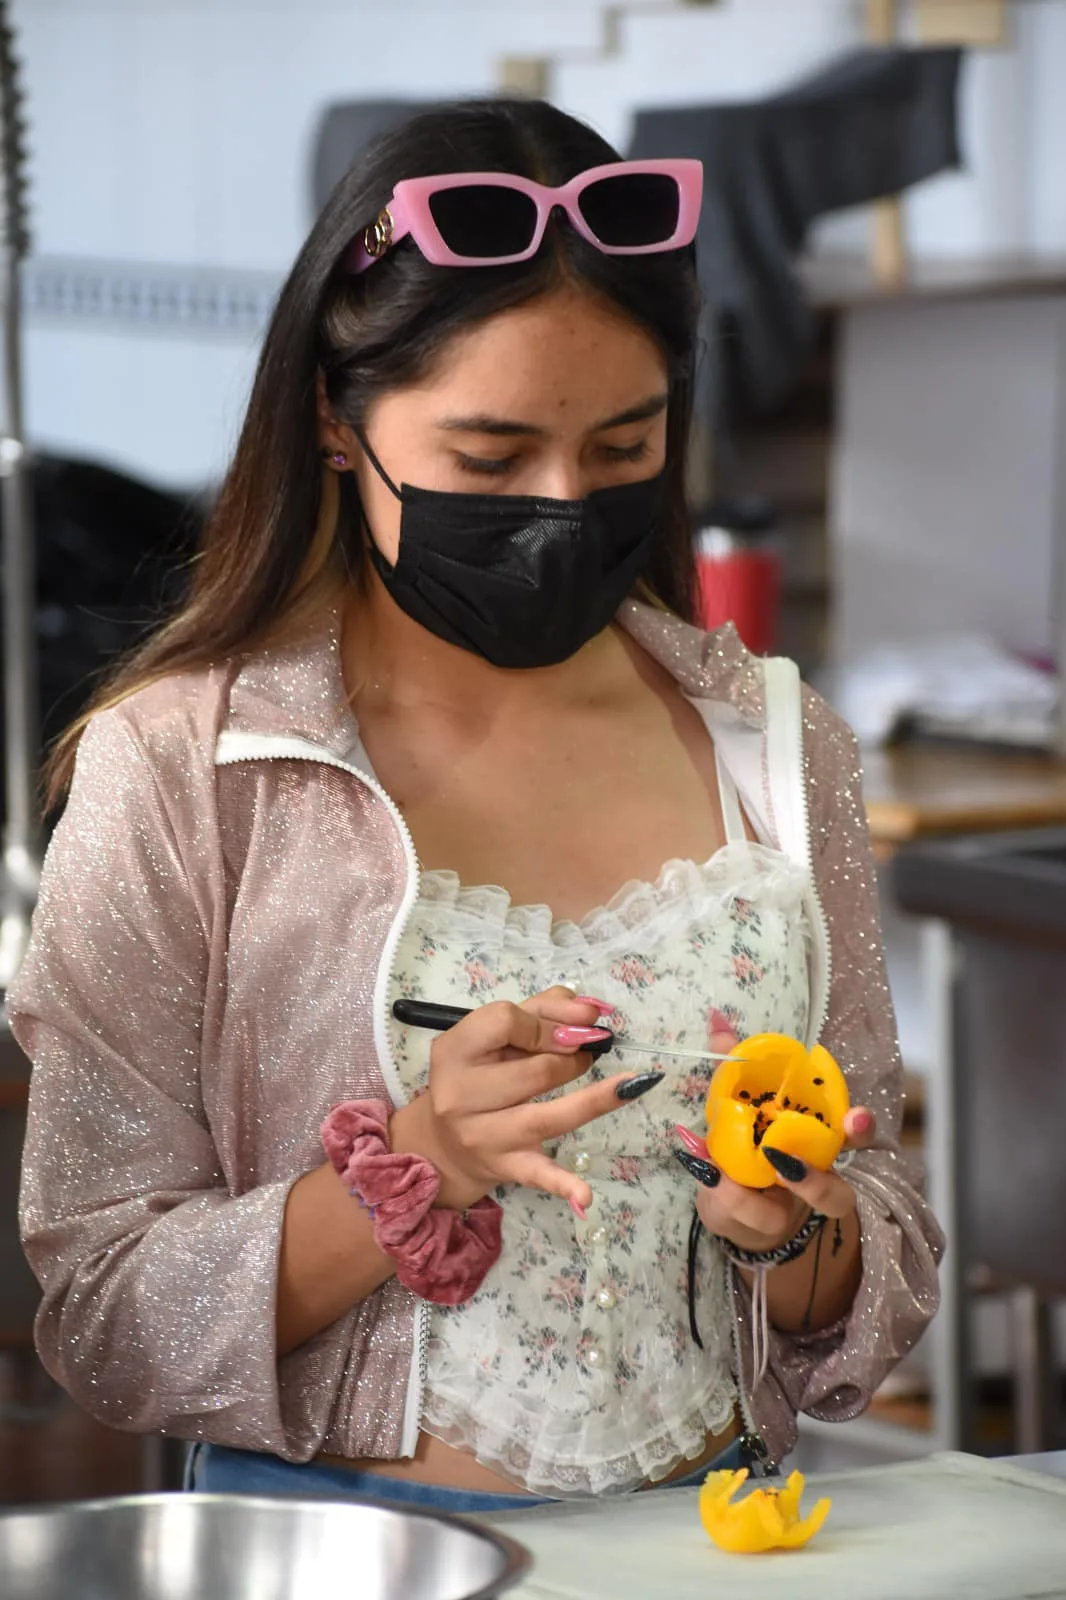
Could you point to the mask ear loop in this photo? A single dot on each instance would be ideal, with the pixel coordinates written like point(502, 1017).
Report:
point(372, 548)
point(375, 463)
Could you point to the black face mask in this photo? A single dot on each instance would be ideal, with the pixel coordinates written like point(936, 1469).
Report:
point(522, 581)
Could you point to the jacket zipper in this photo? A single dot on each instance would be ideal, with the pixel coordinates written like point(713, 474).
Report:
point(816, 1022)
point(742, 1393)
point(784, 739)
point(235, 747)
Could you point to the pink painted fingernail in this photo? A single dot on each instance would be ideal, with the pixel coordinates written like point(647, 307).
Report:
point(572, 1036)
point(694, 1146)
point(862, 1121)
point(721, 1023)
point(579, 1211)
point(603, 1006)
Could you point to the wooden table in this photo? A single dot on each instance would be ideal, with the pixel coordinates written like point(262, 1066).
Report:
point(841, 282)
point(918, 790)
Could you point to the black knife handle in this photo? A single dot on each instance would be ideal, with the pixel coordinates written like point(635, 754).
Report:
point(427, 1014)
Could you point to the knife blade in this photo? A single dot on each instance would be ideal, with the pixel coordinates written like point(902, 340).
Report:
point(619, 1042)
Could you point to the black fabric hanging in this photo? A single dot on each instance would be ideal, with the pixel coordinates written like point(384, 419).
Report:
point(113, 557)
point(870, 125)
point(344, 132)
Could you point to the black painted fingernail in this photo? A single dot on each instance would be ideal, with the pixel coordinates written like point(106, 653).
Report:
point(790, 1167)
point(633, 1088)
point(702, 1171)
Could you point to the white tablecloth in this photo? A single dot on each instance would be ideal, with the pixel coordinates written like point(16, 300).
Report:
point(951, 1527)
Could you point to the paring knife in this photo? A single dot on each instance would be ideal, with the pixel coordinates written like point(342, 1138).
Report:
point(427, 1014)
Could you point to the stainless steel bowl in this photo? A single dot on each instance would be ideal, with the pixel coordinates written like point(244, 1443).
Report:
point(234, 1547)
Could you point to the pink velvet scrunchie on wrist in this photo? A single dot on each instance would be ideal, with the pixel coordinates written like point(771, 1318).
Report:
point(442, 1255)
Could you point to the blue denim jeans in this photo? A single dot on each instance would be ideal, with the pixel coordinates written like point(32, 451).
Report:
point(216, 1469)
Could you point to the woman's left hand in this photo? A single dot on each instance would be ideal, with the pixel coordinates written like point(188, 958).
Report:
point(762, 1219)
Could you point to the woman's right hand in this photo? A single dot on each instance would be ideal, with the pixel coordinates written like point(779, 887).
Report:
point(481, 1122)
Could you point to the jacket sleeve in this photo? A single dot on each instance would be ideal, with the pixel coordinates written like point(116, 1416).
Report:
point(834, 1373)
point(158, 1284)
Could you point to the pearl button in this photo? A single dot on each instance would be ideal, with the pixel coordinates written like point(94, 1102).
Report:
point(606, 1300)
point(582, 1161)
point(598, 1235)
point(594, 1357)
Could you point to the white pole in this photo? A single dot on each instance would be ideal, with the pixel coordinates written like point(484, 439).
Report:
point(21, 837)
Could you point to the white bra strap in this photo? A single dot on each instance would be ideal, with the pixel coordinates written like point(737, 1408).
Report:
point(732, 816)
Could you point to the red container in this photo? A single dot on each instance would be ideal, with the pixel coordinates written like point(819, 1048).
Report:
point(739, 580)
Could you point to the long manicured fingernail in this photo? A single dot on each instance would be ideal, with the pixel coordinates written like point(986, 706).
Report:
point(570, 1036)
point(862, 1121)
point(702, 1171)
point(604, 1007)
point(790, 1167)
point(695, 1147)
point(633, 1088)
point(721, 1023)
point(579, 1211)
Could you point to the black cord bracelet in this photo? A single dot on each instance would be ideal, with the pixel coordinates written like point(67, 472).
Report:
point(791, 1250)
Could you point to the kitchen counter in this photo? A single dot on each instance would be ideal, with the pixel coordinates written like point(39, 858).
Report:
point(946, 1527)
point(1053, 1462)
point(925, 791)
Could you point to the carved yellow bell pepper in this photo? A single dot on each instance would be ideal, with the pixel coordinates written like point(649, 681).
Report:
point(774, 1095)
point(766, 1519)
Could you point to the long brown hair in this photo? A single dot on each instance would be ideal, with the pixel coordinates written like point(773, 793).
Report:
point(283, 537)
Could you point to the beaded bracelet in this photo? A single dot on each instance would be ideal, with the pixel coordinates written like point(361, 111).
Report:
point(791, 1250)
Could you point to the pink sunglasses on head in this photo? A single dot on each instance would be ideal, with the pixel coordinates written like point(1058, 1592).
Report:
point(477, 219)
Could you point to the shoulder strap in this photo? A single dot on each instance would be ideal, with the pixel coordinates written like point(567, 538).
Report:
point(732, 816)
point(784, 758)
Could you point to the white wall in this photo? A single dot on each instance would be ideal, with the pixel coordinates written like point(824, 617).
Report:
point(179, 131)
point(947, 506)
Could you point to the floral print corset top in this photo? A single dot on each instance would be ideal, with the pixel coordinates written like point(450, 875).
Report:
point(573, 1369)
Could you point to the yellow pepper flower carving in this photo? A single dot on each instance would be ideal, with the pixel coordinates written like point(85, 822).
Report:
point(766, 1519)
point(772, 1094)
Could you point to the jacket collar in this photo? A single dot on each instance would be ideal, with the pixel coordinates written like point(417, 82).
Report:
point(707, 666)
point(297, 690)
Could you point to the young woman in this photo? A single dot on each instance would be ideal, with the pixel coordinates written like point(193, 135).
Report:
point(440, 617)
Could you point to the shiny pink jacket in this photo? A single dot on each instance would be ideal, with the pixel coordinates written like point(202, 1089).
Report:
point(206, 978)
